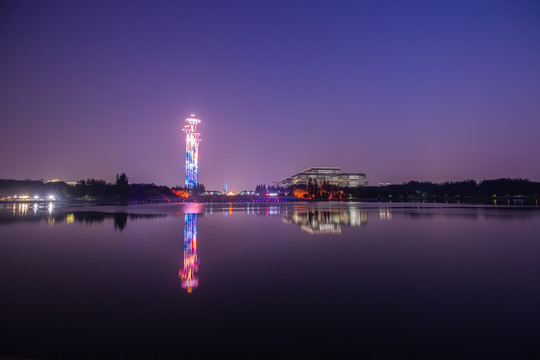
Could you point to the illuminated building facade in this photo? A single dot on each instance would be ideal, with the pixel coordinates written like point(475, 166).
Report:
point(192, 151)
point(331, 175)
point(191, 261)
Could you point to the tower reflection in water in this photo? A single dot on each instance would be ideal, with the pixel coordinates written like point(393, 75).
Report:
point(191, 261)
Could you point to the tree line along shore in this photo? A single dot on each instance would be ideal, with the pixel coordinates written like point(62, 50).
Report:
point(121, 191)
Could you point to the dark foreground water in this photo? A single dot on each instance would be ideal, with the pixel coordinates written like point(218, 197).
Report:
point(179, 280)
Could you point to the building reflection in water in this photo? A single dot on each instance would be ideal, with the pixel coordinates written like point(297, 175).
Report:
point(191, 261)
point(244, 208)
point(326, 221)
point(385, 214)
point(22, 209)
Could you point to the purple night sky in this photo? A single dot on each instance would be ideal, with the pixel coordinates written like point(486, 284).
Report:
point(400, 90)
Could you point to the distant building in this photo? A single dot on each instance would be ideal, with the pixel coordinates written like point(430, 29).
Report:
point(72, 183)
point(212, 192)
point(332, 175)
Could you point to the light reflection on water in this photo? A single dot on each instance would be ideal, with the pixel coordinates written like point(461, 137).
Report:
point(326, 221)
point(273, 277)
point(191, 261)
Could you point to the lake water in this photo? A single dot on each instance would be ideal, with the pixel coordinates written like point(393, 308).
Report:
point(268, 279)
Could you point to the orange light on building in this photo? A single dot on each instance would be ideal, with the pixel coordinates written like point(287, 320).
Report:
point(181, 193)
point(300, 193)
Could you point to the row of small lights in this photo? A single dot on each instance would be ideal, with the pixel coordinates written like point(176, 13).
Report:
point(36, 197)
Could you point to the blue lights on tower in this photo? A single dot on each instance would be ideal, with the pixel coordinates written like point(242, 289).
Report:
point(192, 151)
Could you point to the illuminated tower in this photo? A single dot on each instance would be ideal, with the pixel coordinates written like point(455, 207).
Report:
point(192, 151)
point(191, 261)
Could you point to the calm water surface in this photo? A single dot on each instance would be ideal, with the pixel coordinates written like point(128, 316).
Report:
point(175, 280)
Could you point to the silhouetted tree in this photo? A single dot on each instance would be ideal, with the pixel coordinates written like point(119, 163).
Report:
point(261, 189)
point(122, 186)
point(199, 188)
point(310, 188)
point(325, 190)
point(121, 180)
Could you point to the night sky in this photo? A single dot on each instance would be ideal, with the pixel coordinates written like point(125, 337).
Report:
point(400, 90)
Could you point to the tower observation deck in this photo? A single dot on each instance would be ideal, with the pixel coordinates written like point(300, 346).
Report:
point(192, 151)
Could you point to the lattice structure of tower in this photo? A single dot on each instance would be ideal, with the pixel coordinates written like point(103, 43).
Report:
point(192, 151)
point(191, 261)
